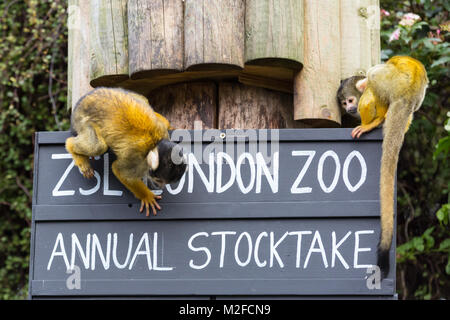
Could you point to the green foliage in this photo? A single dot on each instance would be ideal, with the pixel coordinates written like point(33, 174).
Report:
point(443, 146)
point(423, 253)
point(33, 72)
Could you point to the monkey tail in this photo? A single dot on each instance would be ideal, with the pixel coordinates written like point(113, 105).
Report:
point(394, 133)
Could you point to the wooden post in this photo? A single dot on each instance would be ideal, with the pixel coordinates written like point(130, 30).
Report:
point(316, 85)
point(187, 105)
point(360, 36)
point(248, 107)
point(274, 33)
point(155, 37)
point(109, 42)
point(275, 78)
point(214, 34)
point(273, 43)
point(78, 51)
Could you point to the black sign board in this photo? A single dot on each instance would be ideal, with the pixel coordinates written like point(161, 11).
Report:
point(258, 213)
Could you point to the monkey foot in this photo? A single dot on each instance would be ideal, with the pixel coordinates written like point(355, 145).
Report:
point(147, 203)
point(358, 131)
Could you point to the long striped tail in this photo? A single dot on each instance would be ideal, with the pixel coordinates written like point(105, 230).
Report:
point(397, 118)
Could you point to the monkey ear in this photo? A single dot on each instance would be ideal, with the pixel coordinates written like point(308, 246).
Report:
point(153, 159)
point(361, 85)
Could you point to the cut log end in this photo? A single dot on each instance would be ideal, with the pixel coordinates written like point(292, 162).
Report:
point(108, 80)
point(213, 67)
point(148, 74)
point(276, 62)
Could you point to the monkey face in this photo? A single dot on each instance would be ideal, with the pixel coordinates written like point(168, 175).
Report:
point(167, 163)
point(348, 95)
point(350, 105)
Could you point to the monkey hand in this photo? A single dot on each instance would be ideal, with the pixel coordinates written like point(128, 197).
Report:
point(359, 130)
point(86, 170)
point(150, 201)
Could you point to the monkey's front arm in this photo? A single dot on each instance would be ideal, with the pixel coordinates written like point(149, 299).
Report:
point(359, 130)
point(127, 176)
point(372, 113)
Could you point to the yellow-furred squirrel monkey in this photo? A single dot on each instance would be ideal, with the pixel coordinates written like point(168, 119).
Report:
point(391, 93)
point(124, 122)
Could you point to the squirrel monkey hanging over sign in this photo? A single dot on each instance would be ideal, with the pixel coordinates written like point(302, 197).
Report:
point(124, 122)
point(390, 94)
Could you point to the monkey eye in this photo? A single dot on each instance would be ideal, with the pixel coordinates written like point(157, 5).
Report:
point(351, 100)
point(344, 103)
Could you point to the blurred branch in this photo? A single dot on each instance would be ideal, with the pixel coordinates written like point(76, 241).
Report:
point(404, 286)
point(7, 8)
point(425, 115)
point(411, 215)
point(24, 189)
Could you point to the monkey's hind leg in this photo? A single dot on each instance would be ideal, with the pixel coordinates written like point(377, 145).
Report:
point(86, 144)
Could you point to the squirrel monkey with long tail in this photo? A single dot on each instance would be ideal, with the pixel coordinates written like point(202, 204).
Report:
point(124, 122)
point(391, 93)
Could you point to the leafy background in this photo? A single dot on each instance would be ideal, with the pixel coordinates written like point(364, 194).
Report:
point(33, 94)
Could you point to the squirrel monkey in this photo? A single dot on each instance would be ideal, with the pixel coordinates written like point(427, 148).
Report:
point(348, 96)
point(124, 122)
point(390, 94)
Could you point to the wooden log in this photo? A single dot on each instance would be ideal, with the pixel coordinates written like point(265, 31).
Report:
point(214, 34)
point(155, 37)
point(146, 85)
point(316, 85)
point(78, 51)
point(109, 42)
point(248, 107)
point(273, 43)
point(276, 78)
point(360, 36)
point(274, 33)
point(187, 105)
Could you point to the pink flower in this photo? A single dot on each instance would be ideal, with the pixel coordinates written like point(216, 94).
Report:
point(411, 16)
point(395, 35)
point(438, 35)
point(384, 13)
point(409, 19)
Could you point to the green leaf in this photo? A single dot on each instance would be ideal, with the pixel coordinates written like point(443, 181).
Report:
point(443, 214)
point(443, 146)
point(418, 244)
point(445, 245)
point(447, 267)
point(440, 61)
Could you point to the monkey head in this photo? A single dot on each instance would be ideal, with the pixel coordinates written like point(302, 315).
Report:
point(349, 93)
point(167, 164)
